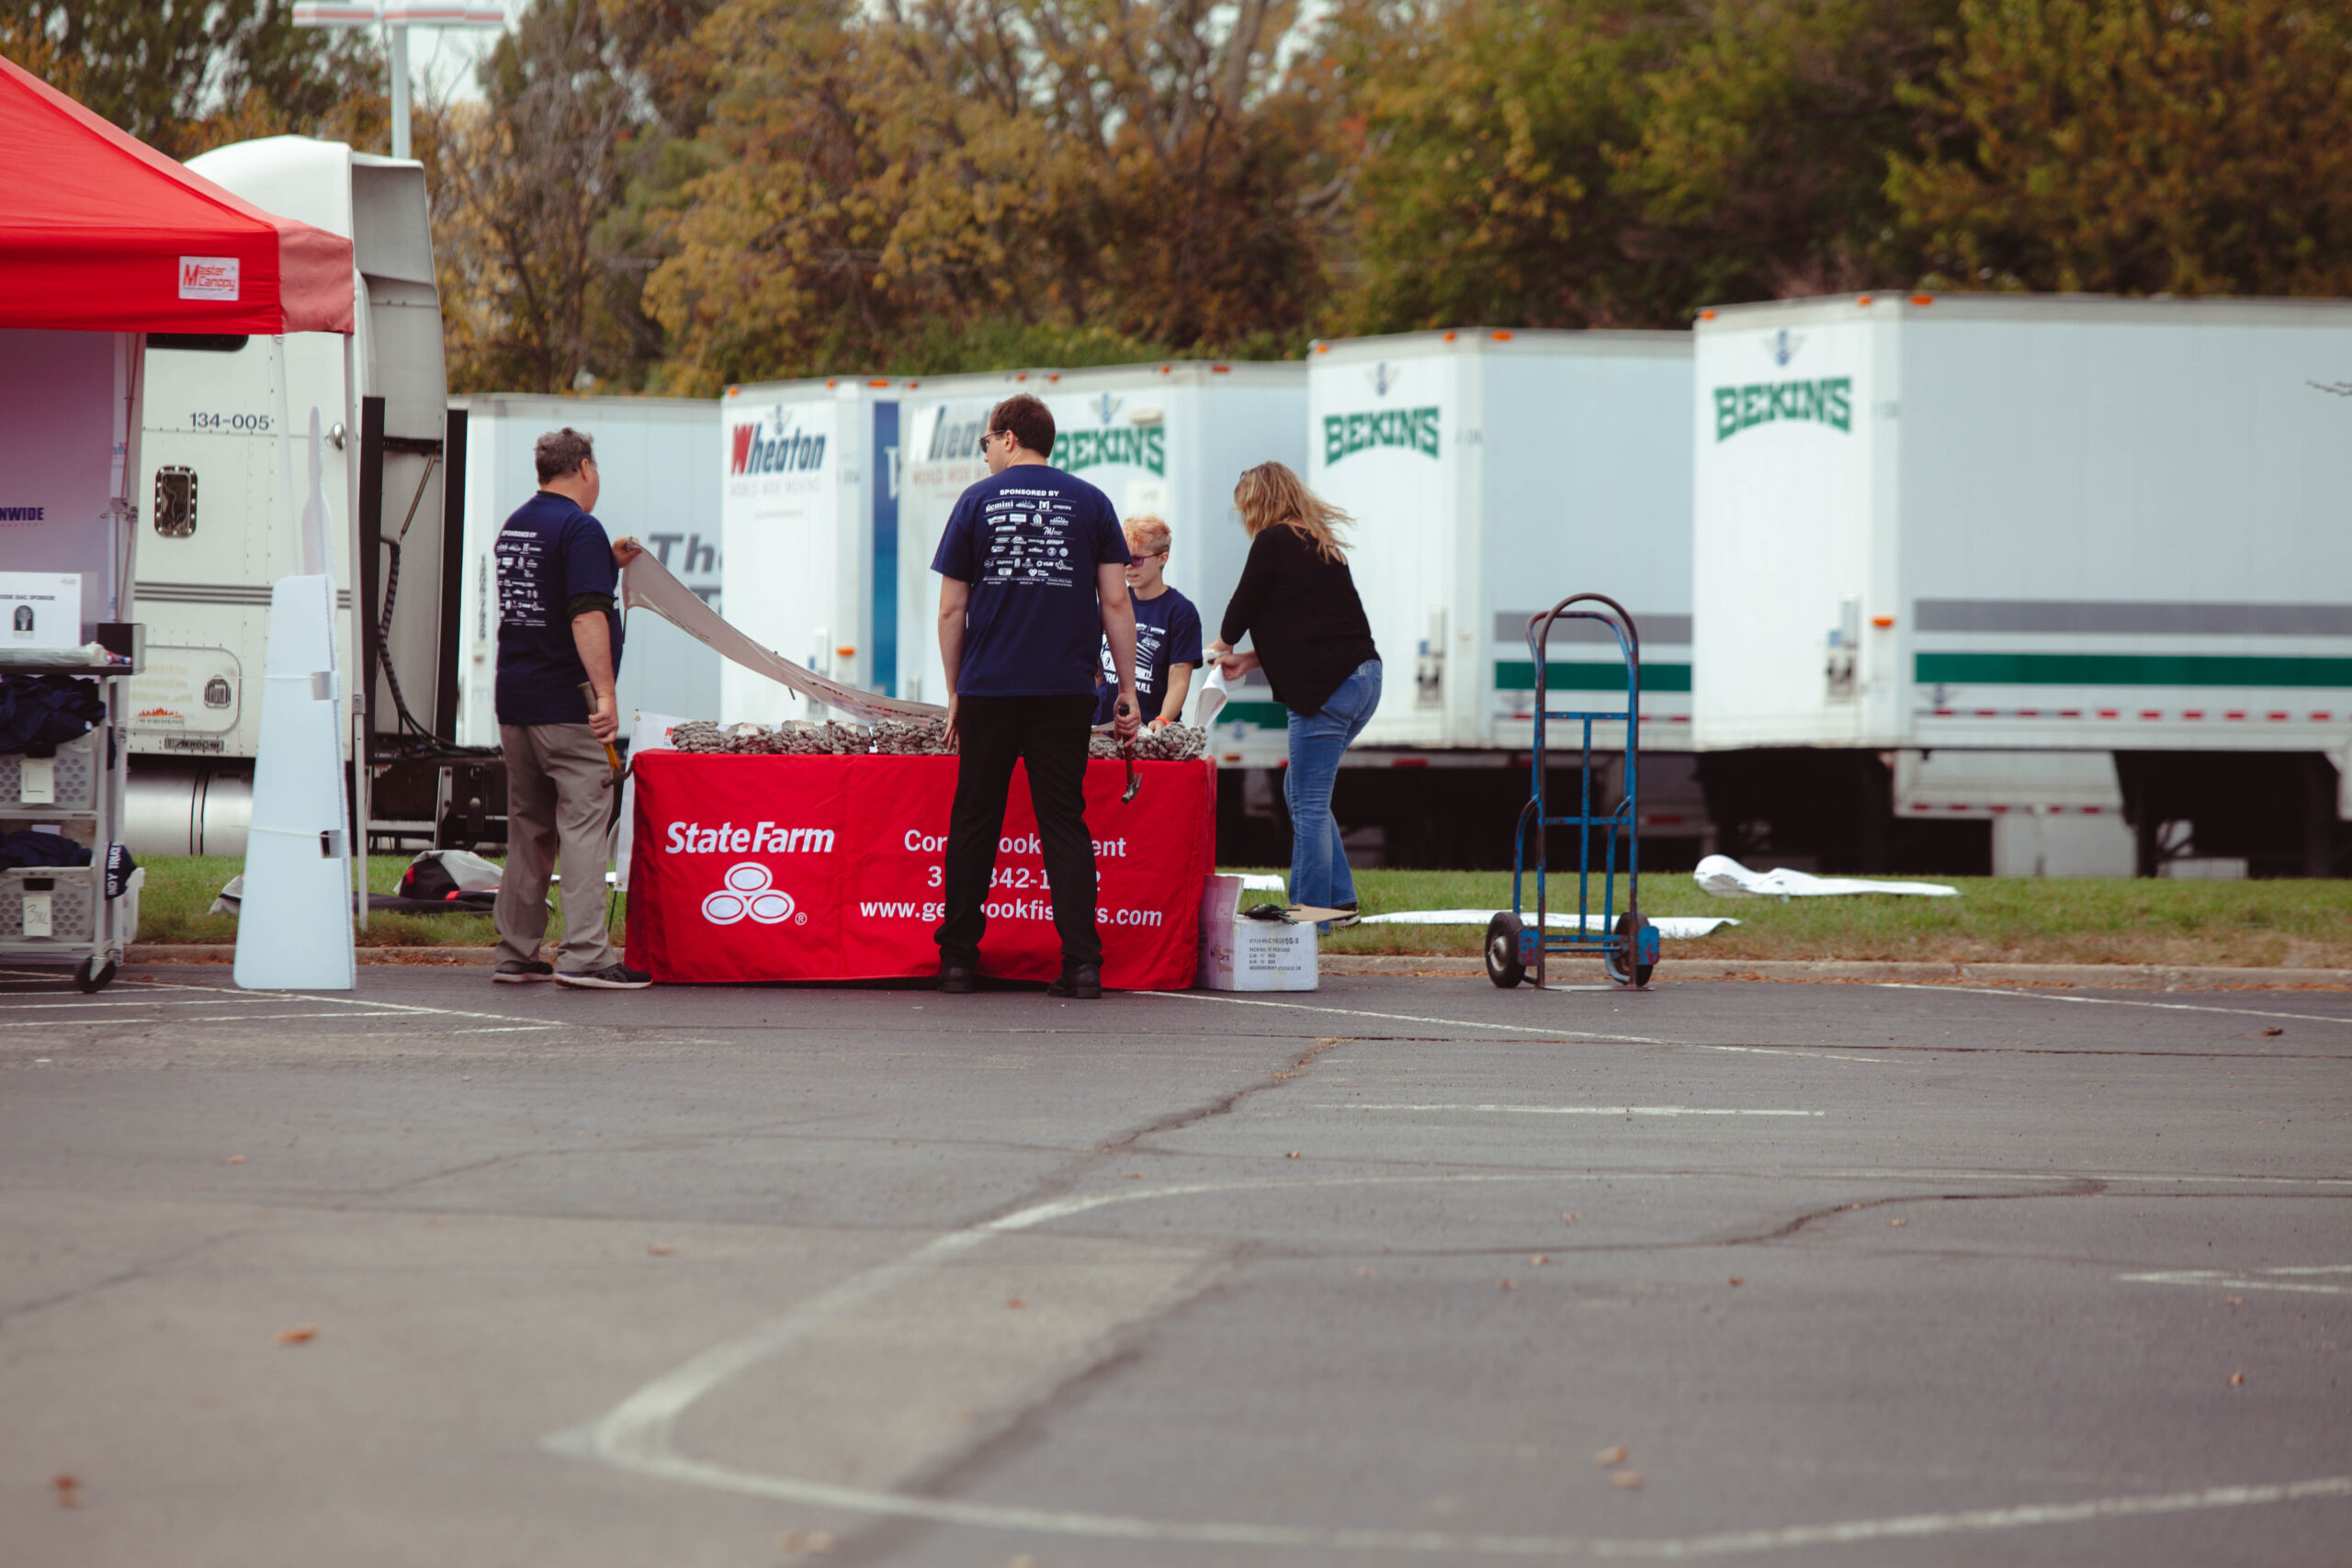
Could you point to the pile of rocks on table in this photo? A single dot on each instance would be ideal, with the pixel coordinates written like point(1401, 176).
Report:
point(896, 738)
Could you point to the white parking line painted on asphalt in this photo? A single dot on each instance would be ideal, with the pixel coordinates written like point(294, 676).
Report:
point(637, 1435)
point(1554, 1031)
point(2295, 1278)
point(134, 1002)
point(385, 1007)
point(2107, 1001)
point(1578, 1110)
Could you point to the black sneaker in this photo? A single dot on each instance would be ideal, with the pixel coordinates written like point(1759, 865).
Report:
point(512, 973)
point(1083, 983)
point(958, 979)
point(1349, 918)
point(611, 978)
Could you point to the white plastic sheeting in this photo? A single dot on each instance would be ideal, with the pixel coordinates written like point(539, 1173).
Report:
point(1726, 878)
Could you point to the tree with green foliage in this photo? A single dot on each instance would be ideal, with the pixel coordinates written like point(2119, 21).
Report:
point(2141, 147)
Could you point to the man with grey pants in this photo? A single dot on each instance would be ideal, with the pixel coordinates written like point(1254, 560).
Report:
point(558, 632)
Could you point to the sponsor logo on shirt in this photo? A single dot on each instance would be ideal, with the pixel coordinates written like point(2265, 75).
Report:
point(208, 277)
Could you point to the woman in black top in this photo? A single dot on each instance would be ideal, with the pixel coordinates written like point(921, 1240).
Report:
point(1297, 604)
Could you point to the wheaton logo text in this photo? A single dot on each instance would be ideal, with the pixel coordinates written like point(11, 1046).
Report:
point(1829, 401)
point(1346, 433)
point(789, 453)
point(765, 838)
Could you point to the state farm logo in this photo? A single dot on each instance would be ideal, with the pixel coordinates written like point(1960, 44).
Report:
point(748, 897)
point(208, 277)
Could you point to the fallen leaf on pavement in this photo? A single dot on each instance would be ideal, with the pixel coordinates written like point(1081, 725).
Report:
point(1540, 1260)
point(1364, 1273)
point(1132, 1175)
point(300, 1334)
point(1568, 1218)
point(1739, 1278)
point(1292, 1154)
point(804, 1540)
point(69, 1492)
point(234, 1159)
point(1016, 1301)
point(2272, 1034)
point(1898, 1222)
point(2237, 1380)
point(1616, 1453)
point(1507, 1284)
point(2233, 1301)
point(659, 1249)
point(1627, 1480)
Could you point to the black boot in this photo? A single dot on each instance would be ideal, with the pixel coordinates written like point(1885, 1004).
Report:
point(958, 979)
point(1083, 982)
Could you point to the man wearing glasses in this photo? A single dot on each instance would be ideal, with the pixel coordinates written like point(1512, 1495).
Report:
point(1168, 632)
point(1032, 579)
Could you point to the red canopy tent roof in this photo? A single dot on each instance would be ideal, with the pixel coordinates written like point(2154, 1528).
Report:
point(99, 231)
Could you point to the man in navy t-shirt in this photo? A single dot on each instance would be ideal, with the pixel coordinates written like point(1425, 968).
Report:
point(1032, 578)
point(1168, 631)
point(558, 632)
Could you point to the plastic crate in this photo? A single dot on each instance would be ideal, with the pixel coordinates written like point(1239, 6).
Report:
point(77, 766)
point(73, 898)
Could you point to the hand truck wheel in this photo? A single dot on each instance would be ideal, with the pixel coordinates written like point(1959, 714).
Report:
point(1622, 958)
point(1503, 965)
point(92, 979)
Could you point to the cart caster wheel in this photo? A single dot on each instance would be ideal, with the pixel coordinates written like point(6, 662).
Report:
point(92, 979)
point(1503, 967)
point(1631, 958)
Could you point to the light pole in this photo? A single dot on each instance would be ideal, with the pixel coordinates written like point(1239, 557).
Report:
point(396, 16)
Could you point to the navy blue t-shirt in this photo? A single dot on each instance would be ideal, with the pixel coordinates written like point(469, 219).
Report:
point(1168, 631)
point(1028, 541)
point(548, 551)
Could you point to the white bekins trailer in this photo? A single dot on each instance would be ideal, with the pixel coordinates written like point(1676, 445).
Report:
point(657, 459)
point(2079, 569)
point(1491, 474)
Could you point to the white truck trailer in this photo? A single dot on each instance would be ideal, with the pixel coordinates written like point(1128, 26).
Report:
point(1490, 474)
point(221, 466)
point(1165, 438)
point(657, 457)
point(810, 529)
point(2024, 584)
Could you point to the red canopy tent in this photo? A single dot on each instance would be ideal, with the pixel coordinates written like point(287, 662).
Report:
point(99, 231)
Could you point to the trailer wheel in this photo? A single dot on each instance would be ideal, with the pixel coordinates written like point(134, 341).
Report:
point(1622, 958)
point(90, 978)
point(1503, 967)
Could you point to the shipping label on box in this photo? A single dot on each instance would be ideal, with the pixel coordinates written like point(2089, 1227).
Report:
point(41, 609)
point(1251, 955)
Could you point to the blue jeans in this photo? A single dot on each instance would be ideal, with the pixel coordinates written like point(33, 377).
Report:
point(1318, 863)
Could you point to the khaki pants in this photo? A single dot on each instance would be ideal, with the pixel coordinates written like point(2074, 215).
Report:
point(556, 801)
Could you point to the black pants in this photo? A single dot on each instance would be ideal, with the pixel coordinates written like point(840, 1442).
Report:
point(1049, 734)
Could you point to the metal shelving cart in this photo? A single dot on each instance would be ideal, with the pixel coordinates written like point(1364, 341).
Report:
point(58, 913)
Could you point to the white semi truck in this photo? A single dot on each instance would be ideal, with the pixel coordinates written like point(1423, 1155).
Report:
point(2024, 584)
point(221, 461)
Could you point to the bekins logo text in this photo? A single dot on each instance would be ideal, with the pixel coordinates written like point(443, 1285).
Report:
point(1414, 429)
point(1829, 401)
point(765, 839)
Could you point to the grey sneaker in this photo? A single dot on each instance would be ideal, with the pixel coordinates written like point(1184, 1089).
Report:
point(512, 973)
point(1350, 917)
point(611, 978)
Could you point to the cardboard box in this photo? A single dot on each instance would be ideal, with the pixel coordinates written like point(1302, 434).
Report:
point(41, 609)
point(1251, 955)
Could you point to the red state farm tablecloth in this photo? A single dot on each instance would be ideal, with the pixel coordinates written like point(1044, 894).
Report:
point(828, 868)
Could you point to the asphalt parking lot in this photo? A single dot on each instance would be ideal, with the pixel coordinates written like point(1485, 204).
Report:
point(442, 1272)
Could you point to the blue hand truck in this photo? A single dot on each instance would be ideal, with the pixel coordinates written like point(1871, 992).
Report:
point(1627, 943)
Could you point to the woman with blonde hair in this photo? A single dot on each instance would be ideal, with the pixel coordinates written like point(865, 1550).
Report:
point(1297, 604)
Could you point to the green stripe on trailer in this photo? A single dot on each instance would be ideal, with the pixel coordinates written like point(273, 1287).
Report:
point(1519, 675)
point(2127, 670)
point(1273, 716)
